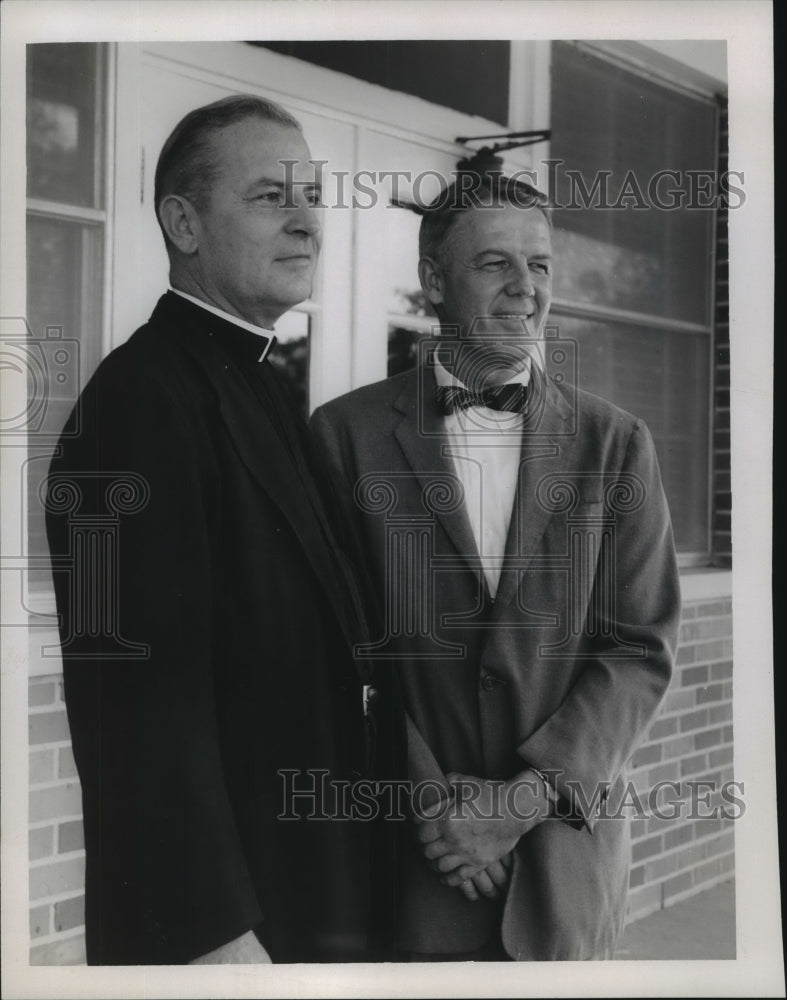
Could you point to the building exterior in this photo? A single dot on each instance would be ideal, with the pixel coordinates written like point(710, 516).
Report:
point(637, 148)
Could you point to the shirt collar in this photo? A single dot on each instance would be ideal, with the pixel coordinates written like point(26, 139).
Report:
point(444, 377)
point(259, 331)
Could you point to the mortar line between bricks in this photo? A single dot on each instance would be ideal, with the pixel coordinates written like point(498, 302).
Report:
point(685, 894)
point(58, 937)
point(42, 786)
point(55, 858)
point(695, 889)
point(39, 824)
point(661, 740)
point(668, 852)
point(57, 897)
point(49, 745)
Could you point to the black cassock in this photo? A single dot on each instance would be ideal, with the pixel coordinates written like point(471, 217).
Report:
point(223, 563)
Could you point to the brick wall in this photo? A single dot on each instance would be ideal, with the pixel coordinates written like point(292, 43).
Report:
point(56, 845)
point(691, 740)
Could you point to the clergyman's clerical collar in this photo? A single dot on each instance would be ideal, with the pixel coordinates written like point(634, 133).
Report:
point(267, 336)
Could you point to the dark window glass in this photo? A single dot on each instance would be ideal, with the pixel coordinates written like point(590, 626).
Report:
point(469, 76)
point(663, 378)
point(64, 109)
point(619, 133)
point(63, 312)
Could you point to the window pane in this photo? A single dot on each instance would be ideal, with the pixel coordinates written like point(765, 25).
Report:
point(662, 378)
point(622, 131)
point(401, 261)
point(64, 308)
point(291, 356)
point(63, 118)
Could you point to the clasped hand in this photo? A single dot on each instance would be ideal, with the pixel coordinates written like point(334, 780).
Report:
point(469, 839)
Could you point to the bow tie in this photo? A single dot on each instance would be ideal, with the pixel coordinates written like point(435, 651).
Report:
point(512, 397)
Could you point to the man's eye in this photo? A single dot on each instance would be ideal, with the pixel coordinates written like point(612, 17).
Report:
point(314, 200)
point(494, 265)
point(539, 267)
point(271, 197)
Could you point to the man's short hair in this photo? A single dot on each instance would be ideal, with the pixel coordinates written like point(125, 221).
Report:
point(187, 163)
point(473, 191)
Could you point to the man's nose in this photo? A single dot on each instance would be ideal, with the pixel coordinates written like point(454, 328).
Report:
point(521, 282)
point(304, 219)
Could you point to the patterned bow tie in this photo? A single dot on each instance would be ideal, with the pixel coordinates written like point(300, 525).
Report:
point(512, 397)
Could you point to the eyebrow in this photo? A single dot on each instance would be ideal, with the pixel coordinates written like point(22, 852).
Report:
point(275, 183)
point(545, 255)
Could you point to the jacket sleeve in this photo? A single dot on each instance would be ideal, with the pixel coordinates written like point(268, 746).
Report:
point(586, 742)
point(167, 879)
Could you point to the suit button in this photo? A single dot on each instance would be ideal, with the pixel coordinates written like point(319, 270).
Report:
point(488, 682)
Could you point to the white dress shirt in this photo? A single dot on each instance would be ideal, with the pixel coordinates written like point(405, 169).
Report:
point(484, 445)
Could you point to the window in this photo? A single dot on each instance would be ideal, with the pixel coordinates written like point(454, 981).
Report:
point(634, 283)
point(66, 224)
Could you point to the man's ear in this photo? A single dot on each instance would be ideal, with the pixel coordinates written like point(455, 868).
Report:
point(431, 280)
point(180, 222)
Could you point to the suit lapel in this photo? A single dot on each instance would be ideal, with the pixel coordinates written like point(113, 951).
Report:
point(421, 438)
point(547, 448)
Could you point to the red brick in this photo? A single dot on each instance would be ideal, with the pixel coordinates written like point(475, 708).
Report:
point(694, 720)
point(660, 867)
point(721, 671)
point(713, 692)
point(678, 747)
point(48, 727)
point(711, 869)
point(693, 765)
point(723, 844)
point(664, 772)
point(647, 755)
point(60, 800)
point(66, 766)
point(688, 611)
point(68, 952)
point(685, 654)
point(717, 649)
point(712, 609)
point(41, 694)
point(42, 766)
point(70, 913)
point(708, 738)
point(720, 713)
point(680, 835)
point(694, 675)
point(680, 883)
point(646, 848)
point(70, 836)
point(724, 755)
point(708, 628)
point(50, 880)
point(636, 876)
point(692, 855)
point(40, 842)
point(40, 917)
point(643, 900)
point(677, 700)
point(663, 727)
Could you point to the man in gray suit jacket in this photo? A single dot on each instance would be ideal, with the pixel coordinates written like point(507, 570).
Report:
point(520, 539)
